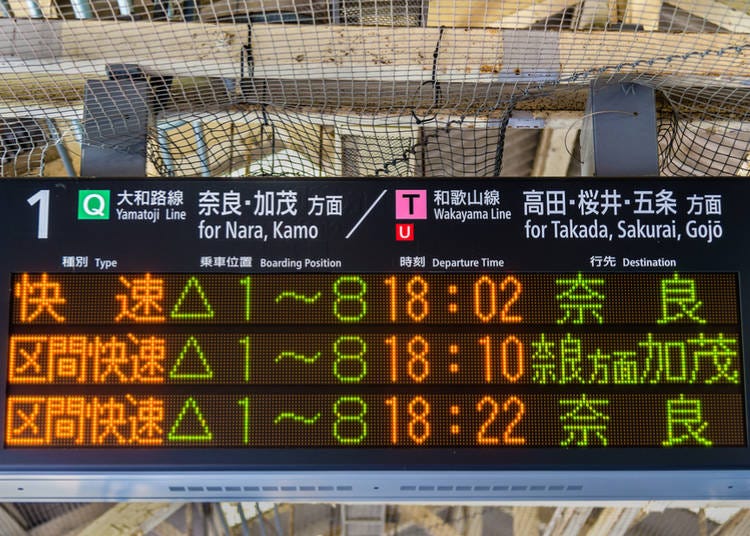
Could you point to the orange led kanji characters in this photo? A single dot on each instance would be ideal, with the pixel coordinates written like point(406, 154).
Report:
point(48, 359)
point(81, 420)
point(38, 296)
point(67, 358)
point(146, 425)
point(143, 304)
point(112, 356)
point(25, 363)
point(107, 421)
point(147, 363)
point(22, 426)
point(65, 420)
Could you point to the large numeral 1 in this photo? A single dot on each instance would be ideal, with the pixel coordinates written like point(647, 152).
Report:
point(41, 197)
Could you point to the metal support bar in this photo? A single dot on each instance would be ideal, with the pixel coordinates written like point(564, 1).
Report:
point(335, 11)
point(261, 520)
point(61, 149)
point(115, 122)
point(163, 142)
point(5, 9)
point(277, 520)
point(75, 126)
point(222, 518)
point(34, 10)
point(161, 9)
point(189, 10)
point(125, 7)
point(204, 510)
point(243, 520)
point(201, 148)
point(81, 9)
point(164, 152)
point(124, 71)
point(362, 520)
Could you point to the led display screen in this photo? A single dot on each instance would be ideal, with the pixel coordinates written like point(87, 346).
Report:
point(453, 360)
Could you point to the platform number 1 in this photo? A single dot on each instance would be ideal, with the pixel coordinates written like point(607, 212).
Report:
point(42, 199)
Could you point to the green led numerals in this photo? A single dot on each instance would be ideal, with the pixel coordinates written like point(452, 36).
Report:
point(350, 305)
point(245, 342)
point(245, 403)
point(349, 351)
point(247, 283)
point(350, 427)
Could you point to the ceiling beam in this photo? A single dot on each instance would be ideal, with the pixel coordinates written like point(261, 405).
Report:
point(744, 170)
point(737, 525)
point(474, 521)
point(167, 529)
point(130, 518)
point(520, 119)
point(22, 8)
point(595, 13)
point(42, 111)
point(539, 10)
point(526, 520)
point(716, 13)
point(615, 521)
point(71, 521)
point(59, 47)
point(568, 521)
point(426, 518)
point(643, 13)
point(485, 55)
point(554, 152)
point(9, 525)
point(487, 14)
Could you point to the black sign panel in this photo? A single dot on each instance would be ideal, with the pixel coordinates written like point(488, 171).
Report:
point(373, 325)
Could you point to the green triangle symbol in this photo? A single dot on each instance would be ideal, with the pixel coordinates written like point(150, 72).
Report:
point(195, 429)
point(193, 350)
point(193, 292)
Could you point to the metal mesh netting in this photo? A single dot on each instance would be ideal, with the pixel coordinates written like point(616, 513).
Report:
point(366, 87)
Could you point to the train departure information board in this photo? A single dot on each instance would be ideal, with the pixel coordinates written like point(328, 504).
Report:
point(335, 324)
point(347, 360)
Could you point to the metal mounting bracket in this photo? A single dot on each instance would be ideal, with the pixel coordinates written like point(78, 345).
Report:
point(618, 135)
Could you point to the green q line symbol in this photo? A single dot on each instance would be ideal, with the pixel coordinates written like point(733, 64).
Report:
point(93, 204)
